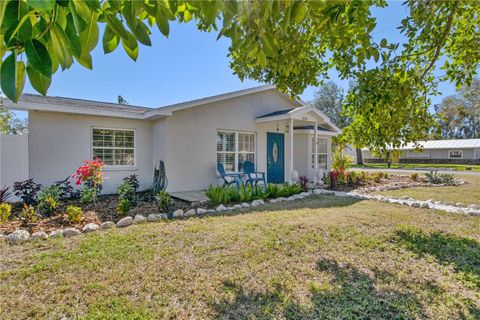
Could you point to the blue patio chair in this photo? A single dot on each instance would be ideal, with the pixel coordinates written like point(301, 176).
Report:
point(229, 178)
point(253, 177)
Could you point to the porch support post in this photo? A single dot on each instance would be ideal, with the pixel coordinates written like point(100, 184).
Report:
point(290, 133)
point(315, 139)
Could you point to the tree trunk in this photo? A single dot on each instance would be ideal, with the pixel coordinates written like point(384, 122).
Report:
point(359, 156)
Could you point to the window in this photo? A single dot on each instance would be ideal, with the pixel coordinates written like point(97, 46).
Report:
point(322, 153)
point(455, 154)
point(114, 147)
point(234, 148)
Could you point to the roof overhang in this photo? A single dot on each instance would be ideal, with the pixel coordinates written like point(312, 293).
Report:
point(305, 113)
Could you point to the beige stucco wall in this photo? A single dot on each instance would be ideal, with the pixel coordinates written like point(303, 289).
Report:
point(425, 154)
point(59, 143)
point(189, 150)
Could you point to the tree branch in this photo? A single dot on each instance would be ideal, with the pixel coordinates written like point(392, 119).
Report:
point(443, 39)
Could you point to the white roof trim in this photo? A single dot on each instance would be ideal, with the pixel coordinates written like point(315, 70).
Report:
point(87, 107)
point(296, 112)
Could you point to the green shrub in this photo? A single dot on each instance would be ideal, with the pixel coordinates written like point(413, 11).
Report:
point(5, 212)
point(74, 214)
point(217, 194)
point(127, 197)
point(440, 178)
point(414, 177)
point(49, 199)
point(165, 203)
point(274, 190)
point(340, 161)
point(87, 195)
point(259, 193)
point(28, 214)
point(246, 193)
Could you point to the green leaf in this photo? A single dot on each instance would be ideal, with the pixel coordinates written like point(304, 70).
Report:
point(110, 40)
point(42, 5)
point(383, 43)
point(262, 59)
point(162, 23)
point(38, 81)
point(301, 13)
point(73, 37)
point(85, 59)
point(116, 25)
point(142, 33)
point(187, 16)
point(375, 55)
point(131, 47)
point(12, 77)
point(89, 36)
point(61, 45)
point(79, 23)
point(38, 57)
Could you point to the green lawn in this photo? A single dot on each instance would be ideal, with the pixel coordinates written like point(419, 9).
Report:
point(318, 258)
point(426, 166)
point(469, 193)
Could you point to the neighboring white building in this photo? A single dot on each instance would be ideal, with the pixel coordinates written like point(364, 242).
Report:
point(189, 137)
point(461, 151)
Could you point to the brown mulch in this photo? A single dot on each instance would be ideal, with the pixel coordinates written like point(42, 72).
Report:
point(392, 179)
point(105, 209)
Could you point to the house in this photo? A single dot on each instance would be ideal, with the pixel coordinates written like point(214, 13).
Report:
point(258, 124)
point(461, 151)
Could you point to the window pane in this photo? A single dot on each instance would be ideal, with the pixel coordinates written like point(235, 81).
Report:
point(114, 147)
point(322, 145)
point(220, 141)
point(322, 161)
point(228, 160)
point(246, 142)
point(230, 141)
point(242, 157)
point(106, 155)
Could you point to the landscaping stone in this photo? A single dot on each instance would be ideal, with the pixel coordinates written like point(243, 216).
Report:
point(70, 232)
point(221, 208)
point(178, 213)
point(474, 206)
point(125, 222)
point(139, 218)
point(56, 233)
point(154, 217)
point(107, 225)
point(256, 203)
point(211, 211)
point(39, 235)
point(18, 236)
point(189, 213)
point(237, 206)
point(273, 200)
point(91, 227)
point(245, 205)
point(201, 211)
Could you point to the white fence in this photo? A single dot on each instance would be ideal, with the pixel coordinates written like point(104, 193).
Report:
point(13, 158)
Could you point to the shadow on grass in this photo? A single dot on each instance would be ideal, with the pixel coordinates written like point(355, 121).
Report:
point(350, 295)
point(462, 253)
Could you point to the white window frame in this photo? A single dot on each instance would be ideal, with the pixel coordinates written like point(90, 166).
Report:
point(116, 167)
point(459, 151)
point(312, 155)
point(237, 152)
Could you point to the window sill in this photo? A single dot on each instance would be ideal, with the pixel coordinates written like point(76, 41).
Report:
point(120, 168)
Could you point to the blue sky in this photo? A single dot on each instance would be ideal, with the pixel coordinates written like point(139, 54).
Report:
point(188, 65)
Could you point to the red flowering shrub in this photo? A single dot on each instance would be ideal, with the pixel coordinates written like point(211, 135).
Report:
point(90, 174)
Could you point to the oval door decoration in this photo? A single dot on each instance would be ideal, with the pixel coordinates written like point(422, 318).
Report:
point(275, 152)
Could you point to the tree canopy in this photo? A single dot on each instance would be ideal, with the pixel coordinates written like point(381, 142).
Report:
point(329, 98)
point(290, 44)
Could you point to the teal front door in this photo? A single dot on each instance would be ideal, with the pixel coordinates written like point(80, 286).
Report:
point(275, 157)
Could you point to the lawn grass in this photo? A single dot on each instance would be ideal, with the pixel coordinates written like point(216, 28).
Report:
point(425, 166)
point(469, 193)
point(318, 258)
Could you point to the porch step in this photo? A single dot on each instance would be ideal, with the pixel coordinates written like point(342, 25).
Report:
point(191, 196)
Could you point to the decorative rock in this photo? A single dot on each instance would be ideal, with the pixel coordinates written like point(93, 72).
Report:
point(56, 233)
point(211, 211)
point(221, 208)
point(125, 222)
point(154, 217)
point(424, 205)
point(201, 211)
point(474, 206)
point(256, 203)
point(139, 218)
point(415, 205)
point(91, 227)
point(70, 232)
point(178, 213)
point(107, 225)
point(273, 200)
point(189, 213)
point(18, 236)
point(237, 206)
point(40, 235)
point(245, 205)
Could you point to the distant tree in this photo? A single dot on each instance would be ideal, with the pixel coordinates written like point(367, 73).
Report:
point(121, 100)
point(458, 116)
point(329, 99)
point(5, 118)
point(18, 126)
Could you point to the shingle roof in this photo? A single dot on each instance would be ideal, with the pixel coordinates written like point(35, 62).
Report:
point(276, 113)
point(311, 128)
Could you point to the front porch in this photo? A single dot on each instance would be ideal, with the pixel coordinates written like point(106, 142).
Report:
point(306, 150)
